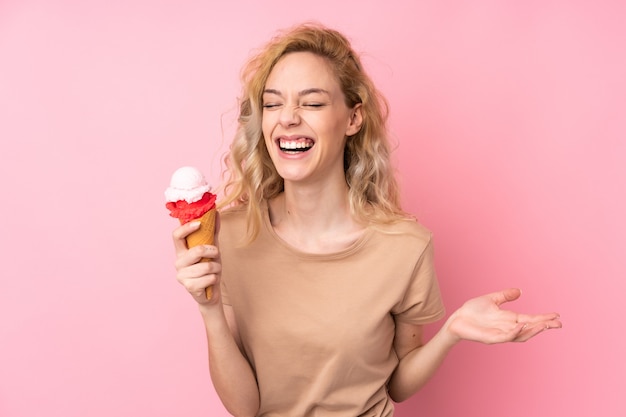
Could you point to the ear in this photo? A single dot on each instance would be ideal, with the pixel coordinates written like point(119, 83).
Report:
point(356, 120)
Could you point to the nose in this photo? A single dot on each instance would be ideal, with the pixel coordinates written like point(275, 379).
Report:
point(289, 116)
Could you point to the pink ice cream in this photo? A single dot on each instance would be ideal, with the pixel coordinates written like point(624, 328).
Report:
point(189, 195)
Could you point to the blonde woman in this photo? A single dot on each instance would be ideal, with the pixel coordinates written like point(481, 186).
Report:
point(322, 282)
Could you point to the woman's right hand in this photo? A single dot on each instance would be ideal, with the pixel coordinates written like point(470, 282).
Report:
point(193, 274)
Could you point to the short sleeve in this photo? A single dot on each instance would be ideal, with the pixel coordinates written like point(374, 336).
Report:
point(422, 301)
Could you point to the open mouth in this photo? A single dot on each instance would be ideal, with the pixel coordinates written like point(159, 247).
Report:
point(295, 145)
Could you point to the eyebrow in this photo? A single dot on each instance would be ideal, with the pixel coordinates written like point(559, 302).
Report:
point(300, 94)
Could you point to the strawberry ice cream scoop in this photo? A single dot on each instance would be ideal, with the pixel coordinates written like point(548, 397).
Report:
point(189, 195)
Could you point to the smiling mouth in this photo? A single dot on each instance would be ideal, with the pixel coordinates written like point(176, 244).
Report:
point(295, 145)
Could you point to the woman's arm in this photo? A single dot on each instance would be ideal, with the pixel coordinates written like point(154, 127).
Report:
point(231, 373)
point(418, 361)
point(479, 319)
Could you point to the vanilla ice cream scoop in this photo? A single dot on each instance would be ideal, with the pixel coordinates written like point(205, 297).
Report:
point(188, 184)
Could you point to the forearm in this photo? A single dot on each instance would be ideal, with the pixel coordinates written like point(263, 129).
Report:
point(419, 365)
point(231, 373)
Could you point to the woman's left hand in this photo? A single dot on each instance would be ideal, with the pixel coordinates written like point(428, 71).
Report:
point(482, 320)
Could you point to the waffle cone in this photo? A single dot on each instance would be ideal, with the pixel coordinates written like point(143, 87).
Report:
point(204, 236)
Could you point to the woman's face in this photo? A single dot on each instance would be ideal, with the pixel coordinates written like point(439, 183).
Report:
point(306, 120)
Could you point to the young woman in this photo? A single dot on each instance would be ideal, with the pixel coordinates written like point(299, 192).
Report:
point(322, 282)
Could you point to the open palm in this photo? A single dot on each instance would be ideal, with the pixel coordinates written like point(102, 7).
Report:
point(482, 320)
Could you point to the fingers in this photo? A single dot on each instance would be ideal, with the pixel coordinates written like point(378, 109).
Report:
point(189, 257)
point(512, 294)
point(181, 232)
point(508, 295)
point(529, 332)
point(529, 326)
point(197, 287)
point(554, 324)
point(532, 329)
point(504, 296)
point(537, 318)
point(199, 270)
point(199, 276)
point(521, 332)
point(198, 267)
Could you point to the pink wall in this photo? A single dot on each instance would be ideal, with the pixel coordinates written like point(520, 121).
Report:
point(510, 118)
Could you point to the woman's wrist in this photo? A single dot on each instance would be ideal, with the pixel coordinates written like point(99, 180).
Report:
point(211, 311)
point(447, 334)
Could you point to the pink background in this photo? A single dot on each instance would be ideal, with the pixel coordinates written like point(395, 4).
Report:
point(510, 122)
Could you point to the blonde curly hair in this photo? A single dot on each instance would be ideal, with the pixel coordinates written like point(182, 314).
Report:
point(250, 174)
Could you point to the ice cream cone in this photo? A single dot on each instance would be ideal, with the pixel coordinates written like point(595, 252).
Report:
point(189, 198)
point(204, 236)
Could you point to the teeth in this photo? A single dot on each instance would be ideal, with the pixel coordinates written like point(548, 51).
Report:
point(292, 144)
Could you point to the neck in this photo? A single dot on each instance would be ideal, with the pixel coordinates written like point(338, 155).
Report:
point(315, 219)
point(315, 208)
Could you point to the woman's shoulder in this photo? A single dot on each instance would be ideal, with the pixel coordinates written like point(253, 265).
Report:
point(233, 216)
point(409, 228)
